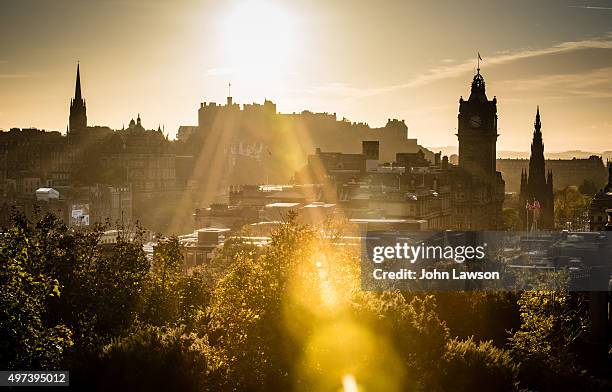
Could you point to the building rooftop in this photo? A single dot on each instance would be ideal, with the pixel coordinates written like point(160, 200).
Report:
point(383, 220)
point(212, 230)
point(318, 204)
point(282, 205)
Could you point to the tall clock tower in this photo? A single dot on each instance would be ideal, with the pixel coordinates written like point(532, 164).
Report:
point(477, 132)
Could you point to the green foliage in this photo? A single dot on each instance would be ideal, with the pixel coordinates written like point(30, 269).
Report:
point(246, 312)
point(176, 297)
point(112, 285)
point(550, 324)
point(224, 257)
point(417, 333)
point(471, 366)
point(486, 315)
point(167, 260)
point(553, 324)
point(287, 316)
point(28, 341)
point(166, 269)
point(156, 359)
point(193, 293)
point(510, 219)
point(571, 208)
point(100, 287)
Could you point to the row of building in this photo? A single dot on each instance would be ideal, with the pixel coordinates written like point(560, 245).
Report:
point(162, 181)
point(409, 188)
point(136, 173)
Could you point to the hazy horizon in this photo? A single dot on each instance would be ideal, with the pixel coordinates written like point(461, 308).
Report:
point(503, 154)
point(405, 60)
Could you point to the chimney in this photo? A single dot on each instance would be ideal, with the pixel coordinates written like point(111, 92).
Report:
point(445, 162)
point(208, 236)
point(369, 150)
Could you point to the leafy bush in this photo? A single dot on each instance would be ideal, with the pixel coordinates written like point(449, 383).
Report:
point(247, 312)
point(553, 326)
point(471, 366)
point(28, 340)
point(155, 359)
point(413, 327)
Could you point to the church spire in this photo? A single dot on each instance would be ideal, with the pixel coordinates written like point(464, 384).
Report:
point(77, 87)
point(540, 182)
point(538, 124)
point(78, 110)
point(537, 145)
point(537, 171)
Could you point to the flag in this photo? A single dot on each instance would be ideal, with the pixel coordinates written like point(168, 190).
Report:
point(479, 58)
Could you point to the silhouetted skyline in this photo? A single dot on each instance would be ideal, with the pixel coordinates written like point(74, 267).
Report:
point(403, 60)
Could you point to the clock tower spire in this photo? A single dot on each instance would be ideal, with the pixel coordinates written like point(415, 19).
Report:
point(477, 131)
point(477, 185)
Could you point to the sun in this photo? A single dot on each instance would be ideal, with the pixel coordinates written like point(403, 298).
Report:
point(258, 37)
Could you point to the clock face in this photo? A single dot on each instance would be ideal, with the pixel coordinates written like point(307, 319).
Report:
point(475, 121)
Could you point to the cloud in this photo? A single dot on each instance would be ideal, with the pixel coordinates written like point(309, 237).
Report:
point(454, 70)
point(445, 72)
point(591, 84)
point(588, 7)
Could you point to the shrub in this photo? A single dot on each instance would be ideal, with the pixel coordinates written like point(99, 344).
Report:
point(154, 359)
point(471, 366)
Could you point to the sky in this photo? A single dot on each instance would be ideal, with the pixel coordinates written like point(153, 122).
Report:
point(366, 61)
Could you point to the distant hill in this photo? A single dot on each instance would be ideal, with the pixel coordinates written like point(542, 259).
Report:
point(450, 150)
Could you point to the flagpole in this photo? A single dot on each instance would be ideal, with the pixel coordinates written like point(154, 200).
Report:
point(527, 209)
